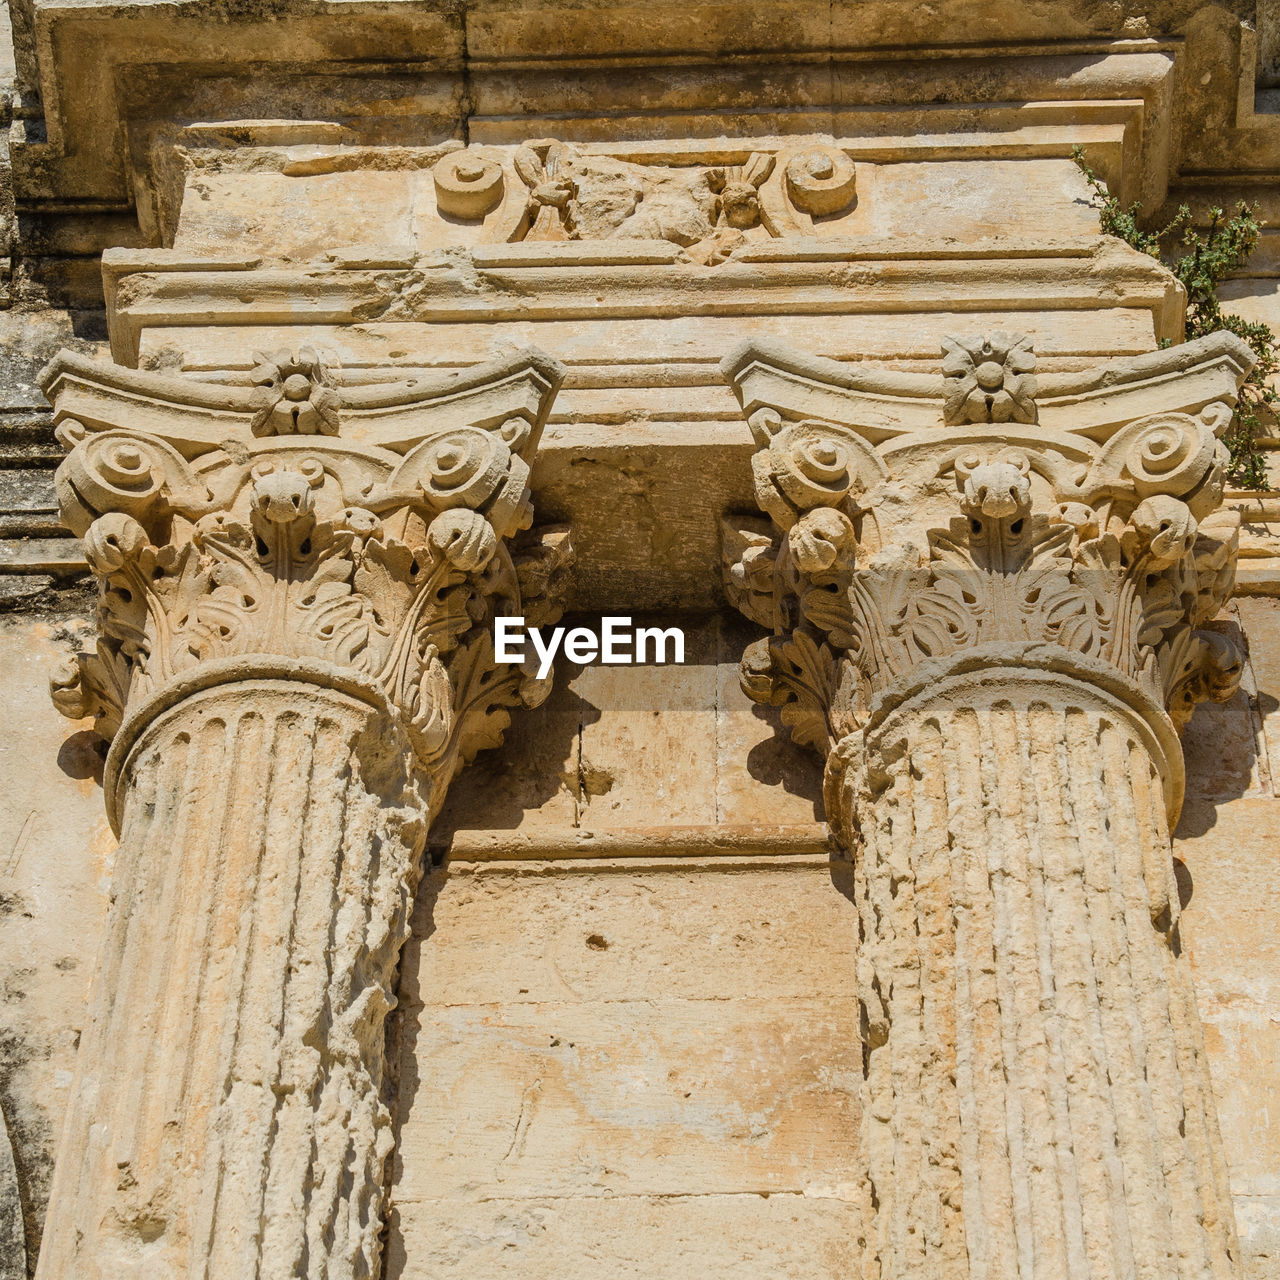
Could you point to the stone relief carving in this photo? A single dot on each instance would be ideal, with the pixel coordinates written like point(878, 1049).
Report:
point(990, 628)
point(708, 208)
point(1118, 552)
point(989, 379)
point(579, 196)
point(821, 181)
point(468, 184)
point(390, 565)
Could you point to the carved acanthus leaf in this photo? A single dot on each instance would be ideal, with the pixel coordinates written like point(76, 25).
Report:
point(750, 551)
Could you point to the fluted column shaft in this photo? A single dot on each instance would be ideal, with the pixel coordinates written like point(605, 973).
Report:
point(1036, 1103)
point(227, 1119)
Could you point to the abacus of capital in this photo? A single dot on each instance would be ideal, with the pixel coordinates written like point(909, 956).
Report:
point(990, 609)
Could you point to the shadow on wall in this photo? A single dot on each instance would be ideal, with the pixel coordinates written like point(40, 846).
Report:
point(404, 1027)
point(1221, 750)
point(83, 756)
point(538, 760)
point(778, 762)
point(641, 746)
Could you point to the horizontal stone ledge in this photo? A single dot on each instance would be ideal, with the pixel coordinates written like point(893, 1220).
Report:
point(721, 864)
point(43, 555)
point(1258, 576)
point(556, 844)
point(31, 524)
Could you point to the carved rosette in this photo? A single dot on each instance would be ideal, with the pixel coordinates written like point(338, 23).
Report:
point(295, 657)
point(991, 617)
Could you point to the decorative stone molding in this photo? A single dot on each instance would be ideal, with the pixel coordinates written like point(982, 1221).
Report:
point(704, 208)
point(708, 199)
point(821, 181)
point(298, 584)
point(991, 629)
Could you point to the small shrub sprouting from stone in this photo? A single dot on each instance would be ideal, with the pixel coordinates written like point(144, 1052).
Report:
point(1201, 259)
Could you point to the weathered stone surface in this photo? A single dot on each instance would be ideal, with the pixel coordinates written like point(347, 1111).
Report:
point(650, 1097)
point(720, 1237)
point(508, 937)
point(642, 1029)
point(991, 652)
point(1260, 619)
point(295, 656)
point(572, 1053)
point(1229, 929)
point(58, 856)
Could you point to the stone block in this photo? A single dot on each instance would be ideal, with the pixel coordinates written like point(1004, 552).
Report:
point(1260, 619)
point(55, 864)
point(584, 1076)
point(293, 217)
point(497, 938)
point(714, 1237)
point(657, 1096)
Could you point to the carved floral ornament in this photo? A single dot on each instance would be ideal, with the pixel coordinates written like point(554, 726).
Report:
point(379, 538)
point(294, 395)
point(895, 546)
point(547, 190)
point(989, 379)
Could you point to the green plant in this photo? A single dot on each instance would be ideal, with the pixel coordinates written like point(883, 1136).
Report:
point(1201, 260)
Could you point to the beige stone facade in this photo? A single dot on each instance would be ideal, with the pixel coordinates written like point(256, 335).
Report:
point(920, 922)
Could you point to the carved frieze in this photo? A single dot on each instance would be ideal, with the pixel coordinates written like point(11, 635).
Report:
point(575, 195)
point(708, 201)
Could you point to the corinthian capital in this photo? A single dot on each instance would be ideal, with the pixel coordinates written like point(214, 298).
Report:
point(904, 532)
point(373, 532)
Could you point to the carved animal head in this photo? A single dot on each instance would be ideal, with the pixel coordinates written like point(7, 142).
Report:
point(997, 490)
point(739, 190)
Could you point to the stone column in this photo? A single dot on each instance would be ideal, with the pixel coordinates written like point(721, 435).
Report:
point(1035, 1099)
point(295, 658)
point(993, 702)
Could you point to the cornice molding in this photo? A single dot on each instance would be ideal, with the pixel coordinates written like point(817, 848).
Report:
point(100, 135)
point(622, 279)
